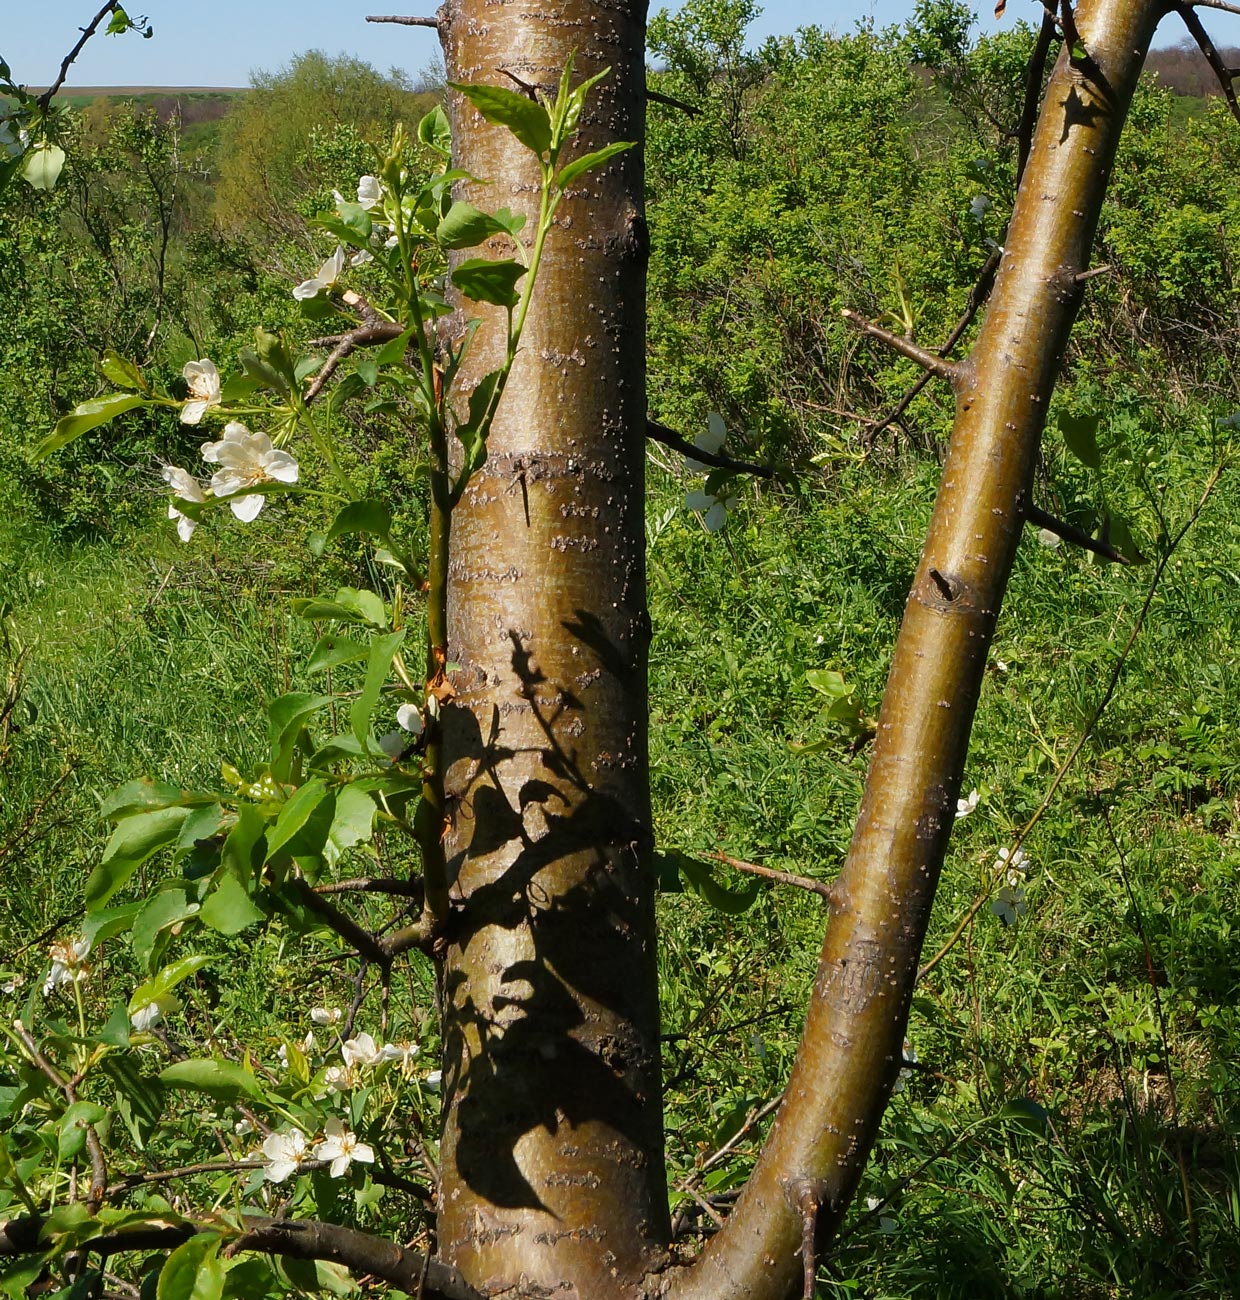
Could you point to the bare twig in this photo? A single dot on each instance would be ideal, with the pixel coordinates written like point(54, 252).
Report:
point(365, 336)
point(402, 22)
point(670, 438)
point(1222, 5)
point(808, 1202)
point(87, 32)
point(1070, 533)
point(819, 887)
point(344, 925)
point(1033, 93)
point(658, 97)
point(930, 361)
point(360, 1252)
point(369, 885)
point(1224, 74)
point(98, 1167)
point(420, 935)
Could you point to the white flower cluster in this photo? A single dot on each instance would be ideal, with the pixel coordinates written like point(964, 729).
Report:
point(246, 459)
point(69, 964)
point(712, 506)
point(1009, 904)
point(287, 1151)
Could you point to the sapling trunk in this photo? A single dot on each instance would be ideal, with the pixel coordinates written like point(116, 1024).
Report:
point(851, 1049)
point(551, 1163)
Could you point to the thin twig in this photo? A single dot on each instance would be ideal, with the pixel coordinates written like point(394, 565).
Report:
point(1087, 731)
point(1033, 93)
point(373, 885)
point(1071, 533)
point(365, 336)
point(87, 32)
point(402, 22)
point(808, 1203)
point(929, 361)
point(819, 887)
point(344, 925)
point(671, 101)
point(1213, 58)
point(98, 1167)
point(670, 438)
point(1222, 5)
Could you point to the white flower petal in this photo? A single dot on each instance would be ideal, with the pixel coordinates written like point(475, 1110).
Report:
point(192, 412)
point(716, 516)
point(409, 717)
point(699, 500)
point(309, 289)
point(281, 466)
point(247, 508)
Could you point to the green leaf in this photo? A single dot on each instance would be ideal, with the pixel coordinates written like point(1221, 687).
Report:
point(354, 225)
point(134, 840)
point(146, 795)
point(587, 162)
point(331, 650)
point(361, 517)
point(173, 974)
point(138, 1097)
point(1080, 435)
point(287, 715)
point(223, 1080)
point(229, 909)
point(167, 908)
point(193, 1271)
point(1027, 1113)
point(465, 226)
point(83, 418)
point(353, 822)
point(41, 165)
point(294, 815)
point(237, 858)
point(349, 605)
point(108, 922)
point(826, 681)
point(484, 281)
point(71, 1135)
point(122, 372)
point(524, 117)
point(382, 651)
point(435, 133)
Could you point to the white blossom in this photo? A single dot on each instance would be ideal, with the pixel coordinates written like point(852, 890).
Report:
point(369, 192)
point(340, 1078)
point(980, 206)
point(68, 963)
point(966, 807)
point(13, 143)
point(187, 487)
point(243, 1127)
point(361, 1049)
point(361, 257)
point(711, 440)
point(248, 459)
point(325, 1015)
point(1009, 904)
point(325, 279)
point(285, 1153)
point(154, 1011)
point(341, 1147)
point(1013, 864)
point(886, 1224)
point(713, 509)
point(204, 389)
point(434, 1080)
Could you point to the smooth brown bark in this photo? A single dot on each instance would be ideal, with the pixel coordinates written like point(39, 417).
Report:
point(851, 1049)
point(552, 1167)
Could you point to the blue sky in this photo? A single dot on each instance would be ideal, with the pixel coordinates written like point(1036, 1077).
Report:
point(217, 44)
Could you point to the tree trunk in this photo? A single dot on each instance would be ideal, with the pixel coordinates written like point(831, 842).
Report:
point(851, 1050)
point(552, 1170)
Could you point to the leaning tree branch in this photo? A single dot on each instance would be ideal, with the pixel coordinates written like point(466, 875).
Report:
point(87, 32)
point(359, 1252)
point(1033, 93)
point(672, 102)
point(850, 1051)
point(819, 887)
point(344, 925)
point(670, 438)
point(1224, 74)
point(1070, 533)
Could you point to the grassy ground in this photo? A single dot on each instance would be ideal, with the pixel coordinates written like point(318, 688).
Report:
point(1068, 1128)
